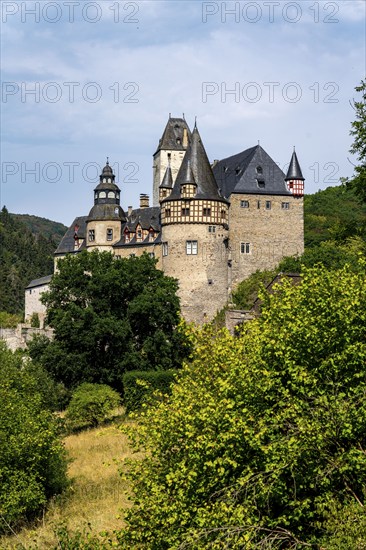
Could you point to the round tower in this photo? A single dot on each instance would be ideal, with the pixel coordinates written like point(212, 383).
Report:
point(194, 221)
point(103, 226)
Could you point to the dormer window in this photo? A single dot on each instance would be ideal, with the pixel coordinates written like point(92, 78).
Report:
point(111, 195)
point(116, 210)
point(139, 234)
point(259, 170)
point(261, 183)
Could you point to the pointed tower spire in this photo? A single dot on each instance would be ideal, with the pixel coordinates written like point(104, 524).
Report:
point(294, 178)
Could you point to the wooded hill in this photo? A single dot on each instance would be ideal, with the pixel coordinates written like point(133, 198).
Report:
point(27, 244)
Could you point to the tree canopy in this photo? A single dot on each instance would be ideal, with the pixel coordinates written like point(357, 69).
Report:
point(264, 435)
point(109, 316)
point(32, 458)
point(358, 132)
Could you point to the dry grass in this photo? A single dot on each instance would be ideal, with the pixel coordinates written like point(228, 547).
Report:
point(97, 494)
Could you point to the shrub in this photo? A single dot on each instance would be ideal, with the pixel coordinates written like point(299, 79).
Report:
point(32, 458)
point(139, 386)
point(9, 320)
point(90, 404)
point(34, 320)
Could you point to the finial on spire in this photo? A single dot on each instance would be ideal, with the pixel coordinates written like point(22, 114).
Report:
point(183, 117)
point(259, 142)
point(107, 161)
point(170, 115)
point(195, 121)
point(294, 148)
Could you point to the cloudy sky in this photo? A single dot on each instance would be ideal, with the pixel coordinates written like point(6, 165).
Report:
point(83, 80)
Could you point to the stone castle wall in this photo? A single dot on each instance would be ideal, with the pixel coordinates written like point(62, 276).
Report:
point(271, 233)
point(33, 303)
point(160, 166)
point(203, 277)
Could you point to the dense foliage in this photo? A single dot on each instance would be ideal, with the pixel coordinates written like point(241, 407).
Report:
point(139, 387)
point(110, 316)
point(32, 460)
point(90, 404)
point(265, 434)
point(358, 132)
point(23, 256)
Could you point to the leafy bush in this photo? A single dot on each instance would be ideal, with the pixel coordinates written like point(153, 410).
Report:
point(90, 404)
point(32, 458)
point(139, 386)
point(34, 321)
point(263, 432)
point(9, 320)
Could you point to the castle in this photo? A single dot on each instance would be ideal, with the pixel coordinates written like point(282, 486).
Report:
point(210, 226)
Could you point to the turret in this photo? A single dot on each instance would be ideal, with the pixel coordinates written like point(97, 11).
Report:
point(294, 178)
point(105, 218)
point(166, 185)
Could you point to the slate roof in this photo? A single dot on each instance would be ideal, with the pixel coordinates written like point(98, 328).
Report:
point(294, 170)
point(167, 179)
point(67, 243)
point(39, 282)
point(103, 211)
point(172, 137)
point(196, 163)
point(238, 174)
point(146, 217)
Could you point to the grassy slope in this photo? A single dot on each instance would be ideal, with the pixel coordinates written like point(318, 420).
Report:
point(97, 494)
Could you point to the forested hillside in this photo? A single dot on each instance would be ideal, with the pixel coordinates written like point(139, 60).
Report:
point(26, 253)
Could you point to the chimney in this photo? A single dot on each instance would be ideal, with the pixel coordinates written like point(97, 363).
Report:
point(144, 201)
point(185, 137)
point(129, 211)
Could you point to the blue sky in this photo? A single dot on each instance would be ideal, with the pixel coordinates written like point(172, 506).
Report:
point(105, 76)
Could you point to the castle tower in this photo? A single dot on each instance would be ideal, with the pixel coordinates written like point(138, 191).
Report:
point(294, 178)
point(170, 152)
point(103, 224)
point(195, 236)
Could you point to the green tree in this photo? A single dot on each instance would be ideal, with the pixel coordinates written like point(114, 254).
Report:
point(32, 458)
point(90, 404)
point(263, 433)
point(110, 316)
point(358, 131)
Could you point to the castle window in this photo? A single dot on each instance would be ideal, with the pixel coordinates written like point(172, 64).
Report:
point(185, 211)
point(165, 249)
point(259, 170)
point(116, 210)
point(167, 212)
point(163, 193)
point(151, 235)
point(268, 205)
point(223, 215)
point(258, 204)
point(111, 195)
point(102, 195)
point(212, 228)
point(104, 180)
point(207, 211)
point(245, 248)
point(91, 235)
point(139, 234)
point(191, 248)
point(127, 237)
point(109, 234)
point(285, 205)
point(244, 204)
point(261, 183)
